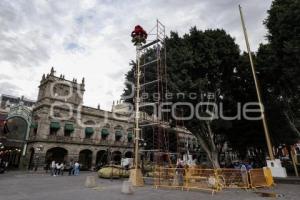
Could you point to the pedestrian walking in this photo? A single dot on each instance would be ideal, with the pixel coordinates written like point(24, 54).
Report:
point(179, 176)
point(2, 166)
point(77, 168)
point(71, 168)
point(52, 168)
point(62, 167)
point(244, 174)
point(57, 169)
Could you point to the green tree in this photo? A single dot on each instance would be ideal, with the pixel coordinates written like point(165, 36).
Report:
point(245, 134)
point(201, 62)
point(278, 62)
point(209, 61)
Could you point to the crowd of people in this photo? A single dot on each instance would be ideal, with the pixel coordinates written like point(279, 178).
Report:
point(58, 168)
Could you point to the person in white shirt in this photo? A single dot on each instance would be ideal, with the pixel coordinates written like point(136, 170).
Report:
point(76, 166)
point(52, 168)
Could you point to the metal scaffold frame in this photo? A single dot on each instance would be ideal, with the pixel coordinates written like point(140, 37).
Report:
point(151, 74)
point(159, 123)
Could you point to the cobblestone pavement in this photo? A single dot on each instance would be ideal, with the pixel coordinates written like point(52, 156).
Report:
point(30, 186)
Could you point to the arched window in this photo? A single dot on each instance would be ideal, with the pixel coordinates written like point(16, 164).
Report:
point(54, 127)
point(68, 129)
point(118, 133)
point(129, 135)
point(89, 131)
point(104, 133)
point(34, 127)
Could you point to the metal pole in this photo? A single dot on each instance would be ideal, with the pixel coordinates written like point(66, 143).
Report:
point(137, 106)
point(266, 130)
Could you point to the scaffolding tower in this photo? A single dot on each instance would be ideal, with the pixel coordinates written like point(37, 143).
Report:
point(153, 68)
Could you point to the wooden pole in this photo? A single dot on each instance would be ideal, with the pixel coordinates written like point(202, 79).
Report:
point(137, 106)
point(292, 153)
point(136, 176)
point(266, 129)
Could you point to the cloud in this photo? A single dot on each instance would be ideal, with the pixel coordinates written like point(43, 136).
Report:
point(9, 88)
point(4, 77)
point(72, 46)
point(119, 73)
point(91, 38)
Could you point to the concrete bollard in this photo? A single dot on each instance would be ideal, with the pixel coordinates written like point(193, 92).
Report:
point(90, 182)
point(127, 187)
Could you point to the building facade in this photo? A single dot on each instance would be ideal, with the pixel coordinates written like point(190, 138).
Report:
point(64, 130)
point(12, 137)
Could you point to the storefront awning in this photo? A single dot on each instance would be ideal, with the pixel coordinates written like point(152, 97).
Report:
point(69, 127)
point(119, 134)
point(89, 130)
point(104, 132)
point(129, 136)
point(54, 125)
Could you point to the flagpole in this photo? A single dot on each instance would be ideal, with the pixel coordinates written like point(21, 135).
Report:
point(264, 121)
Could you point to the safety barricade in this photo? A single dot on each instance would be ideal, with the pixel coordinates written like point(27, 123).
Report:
point(233, 178)
point(202, 179)
point(261, 177)
point(269, 177)
point(211, 179)
point(169, 177)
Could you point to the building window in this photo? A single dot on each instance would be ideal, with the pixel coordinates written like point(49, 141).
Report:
point(69, 129)
point(54, 127)
point(89, 131)
point(130, 137)
point(35, 131)
point(104, 134)
point(34, 127)
point(55, 91)
point(118, 135)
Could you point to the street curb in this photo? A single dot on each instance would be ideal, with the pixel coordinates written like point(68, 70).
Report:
point(289, 180)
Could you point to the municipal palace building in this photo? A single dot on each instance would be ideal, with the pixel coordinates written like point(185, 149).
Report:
point(58, 127)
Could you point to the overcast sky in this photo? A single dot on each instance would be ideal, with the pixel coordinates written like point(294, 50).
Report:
point(91, 38)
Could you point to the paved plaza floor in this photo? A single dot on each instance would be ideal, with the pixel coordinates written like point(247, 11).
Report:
point(30, 186)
